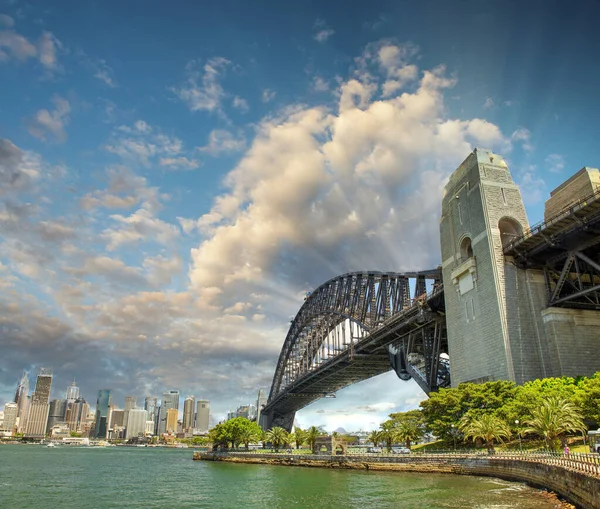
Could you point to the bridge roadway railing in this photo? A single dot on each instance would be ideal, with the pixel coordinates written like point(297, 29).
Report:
point(588, 464)
point(567, 211)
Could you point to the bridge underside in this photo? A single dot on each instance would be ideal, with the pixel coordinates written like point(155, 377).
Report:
point(410, 343)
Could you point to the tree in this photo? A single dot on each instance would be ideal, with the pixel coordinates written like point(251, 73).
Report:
point(311, 436)
point(235, 431)
point(409, 426)
point(388, 433)
point(278, 437)
point(299, 437)
point(447, 406)
point(487, 427)
point(249, 432)
point(554, 418)
point(374, 437)
point(587, 398)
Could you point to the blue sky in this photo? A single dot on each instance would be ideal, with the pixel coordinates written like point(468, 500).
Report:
point(176, 176)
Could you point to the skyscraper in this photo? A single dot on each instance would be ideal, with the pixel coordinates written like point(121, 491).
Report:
point(72, 392)
point(74, 413)
point(136, 422)
point(130, 402)
point(38, 410)
point(188, 413)
point(22, 401)
point(202, 414)
point(10, 416)
point(169, 400)
point(150, 405)
point(103, 404)
point(171, 421)
point(56, 414)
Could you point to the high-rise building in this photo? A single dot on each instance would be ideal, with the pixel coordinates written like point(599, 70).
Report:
point(136, 422)
point(76, 411)
point(72, 392)
point(171, 421)
point(37, 417)
point(10, 417)
point(188, 413)
point(202, 414)
point(103, 404)
point(261, 401)
point(130, 402)
point(57, 413)
point(169, 400)
point(21, 396)
point(150, 405)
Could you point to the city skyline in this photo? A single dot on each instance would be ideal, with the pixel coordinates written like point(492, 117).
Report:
point(172, 186)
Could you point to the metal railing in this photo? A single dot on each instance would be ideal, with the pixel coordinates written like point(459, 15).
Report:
point(588, 464)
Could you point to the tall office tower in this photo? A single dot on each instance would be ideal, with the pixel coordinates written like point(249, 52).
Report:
point(57, 413)
point(171, 421)
point(72, 392)
point(10, 417)
point(37, 417)
point(261, 401)
point(202, 414)
point(188, 413)
point(130, 402)
point(74, 411)
point(136, 422)
point(21, 393)
point(169, 400)
point(103, 404)
point(150, 405)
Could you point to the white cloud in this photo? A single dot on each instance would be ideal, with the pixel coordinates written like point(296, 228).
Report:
point(179, 163)
point(6, 20)
point(240, 104)
point(202, 90)
point(322, 31)
point(531, 185)
point(221, 141)
point(18, 169)
point(142, 144)
point(268, 95)
point(523, 136)
point(314, 183)
point(555, 162)
point(48, 45)
point(104, 73)
point(319, 84)
point(51, 123)
point(14, 45)
point(489, 103)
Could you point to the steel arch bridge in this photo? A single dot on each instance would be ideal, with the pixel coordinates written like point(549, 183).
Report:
point(356, 326)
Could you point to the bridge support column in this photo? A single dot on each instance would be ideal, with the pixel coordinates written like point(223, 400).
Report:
point(271, 419)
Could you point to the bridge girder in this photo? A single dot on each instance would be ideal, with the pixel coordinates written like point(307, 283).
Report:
point(356, 326)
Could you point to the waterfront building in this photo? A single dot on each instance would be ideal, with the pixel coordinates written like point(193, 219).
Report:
point(130, 403)
point(150, 405)
point(202, 415)
point(136, 422)
point(37, 416)
point(149, 427)
point(169, 400)
point(57, 413)
point(103, 404)
point(171, 420)
point(76, 412)
point(188, 413)
point(10, 417)
point(72, 393)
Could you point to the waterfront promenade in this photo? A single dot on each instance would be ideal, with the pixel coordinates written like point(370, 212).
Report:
point(576, 477)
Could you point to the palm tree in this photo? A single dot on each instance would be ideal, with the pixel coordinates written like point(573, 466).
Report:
point(488, 428)
point(408, 431)
point(299, 437)
point(388, 434)
point(554, 418)
point(374, 437)
point(311, 436)
point(278, 437)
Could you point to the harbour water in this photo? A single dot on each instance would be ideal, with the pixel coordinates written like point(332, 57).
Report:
point(34, 476)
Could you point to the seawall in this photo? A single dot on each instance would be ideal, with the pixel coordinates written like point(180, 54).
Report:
point(576, 481)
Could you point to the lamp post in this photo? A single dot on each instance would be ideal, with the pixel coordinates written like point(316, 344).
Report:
point(519, 433)
point(453, 436)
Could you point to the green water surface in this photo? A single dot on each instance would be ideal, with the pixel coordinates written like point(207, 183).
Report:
point(34, 476)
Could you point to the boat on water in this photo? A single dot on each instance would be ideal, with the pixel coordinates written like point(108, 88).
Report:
point(50, 445)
